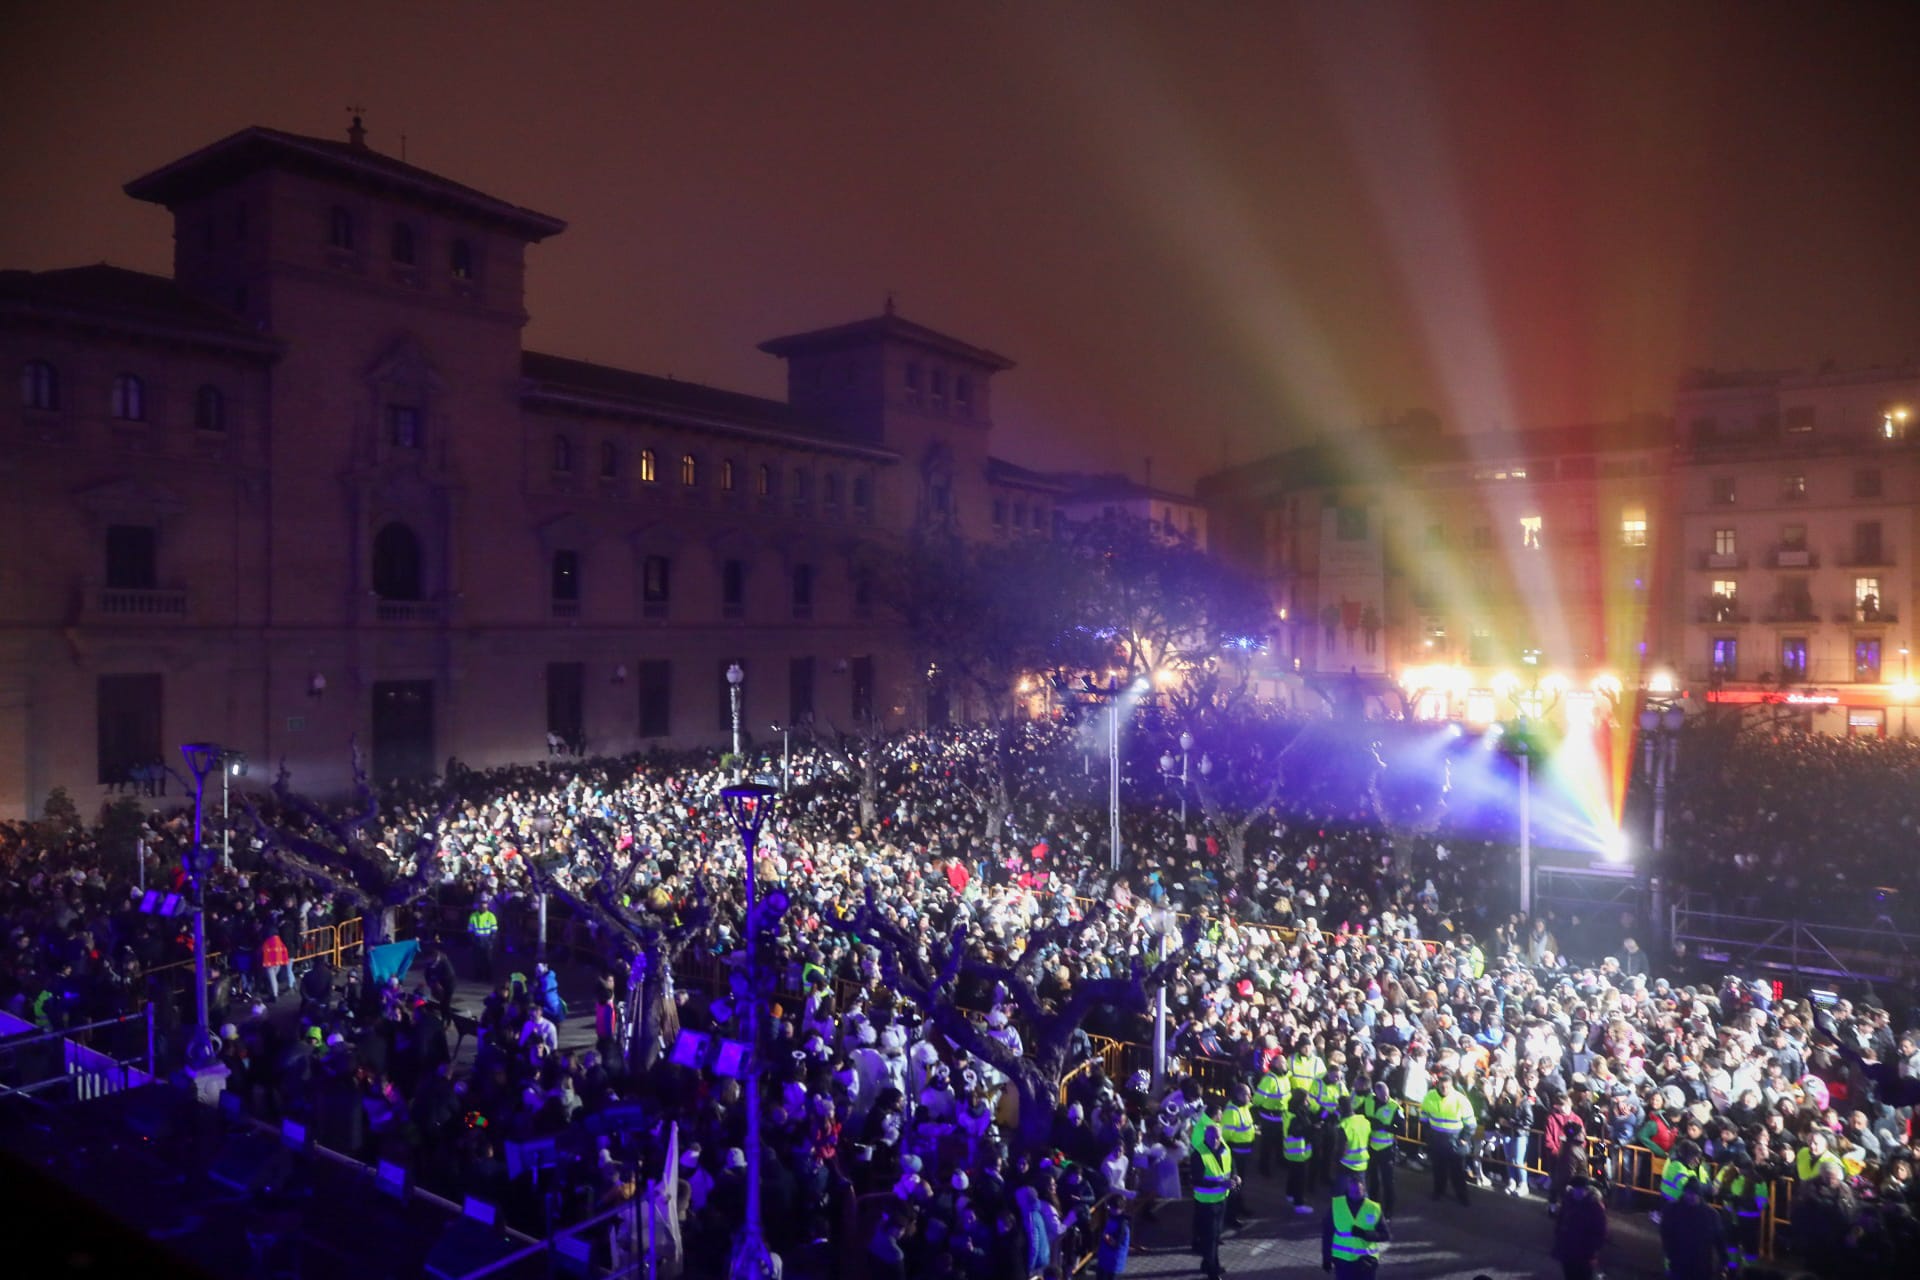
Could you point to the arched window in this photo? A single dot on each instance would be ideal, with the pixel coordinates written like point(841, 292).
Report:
point(129, 398)
point(726, 474)
point(802, 486)
point(648, 471)
point(460, 260)
point(403, 244)
point(209, 409)
point(833, 483)
point(763, 481)
point(562, 454)
point(689, 470)
point(39, 385)
point(862, 493)
point(396, 563)
point(340, 228)
point(609, 460)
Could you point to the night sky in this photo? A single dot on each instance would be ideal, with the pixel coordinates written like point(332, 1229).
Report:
point(1203, 230)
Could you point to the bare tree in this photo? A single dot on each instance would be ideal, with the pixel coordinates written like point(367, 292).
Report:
point(928, 976)
point(649, 942)
point(859, 753)
point(1235, 818)
point(1406, 824)
point(338, 852)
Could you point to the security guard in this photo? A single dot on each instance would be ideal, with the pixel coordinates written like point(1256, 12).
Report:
point(1813, 1157)
point(1213, 1182)
point(1355, 1130)
point(1270, 1097)
point(1305, 1067)
point(1449, 1118)
point(1743, 1195)
point(1237, 1127)
point(484, 928)
point(1299, 1151)
point(1683, 1168)
point(1353, 1234)
point(1382, 1113)
point(1328, 1094)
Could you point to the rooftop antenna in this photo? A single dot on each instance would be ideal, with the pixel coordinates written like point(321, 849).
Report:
point(889, 302)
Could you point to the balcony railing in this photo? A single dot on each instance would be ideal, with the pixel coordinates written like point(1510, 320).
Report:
point(1720, 560)
point(1720, 609)
point(406, 611)
point(1792, 611)
point(1860, 613)
point(1793, 558)
point(141, 602)
point(1868, 558)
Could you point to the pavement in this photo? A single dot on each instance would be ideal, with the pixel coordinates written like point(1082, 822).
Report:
point(1496, 1236)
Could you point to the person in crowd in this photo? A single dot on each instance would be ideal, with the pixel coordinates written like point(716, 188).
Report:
point(1580, 1229)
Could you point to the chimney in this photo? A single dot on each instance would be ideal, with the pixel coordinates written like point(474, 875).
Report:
point(357, 135)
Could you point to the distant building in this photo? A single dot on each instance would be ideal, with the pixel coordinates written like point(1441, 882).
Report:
point(1797, 501)
point(311, 488)
point(1089, 498)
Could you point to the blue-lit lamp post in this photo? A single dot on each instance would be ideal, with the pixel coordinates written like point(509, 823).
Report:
point(203, 1051)
point(747, 806)
point(1166, 767)
point(735, 678)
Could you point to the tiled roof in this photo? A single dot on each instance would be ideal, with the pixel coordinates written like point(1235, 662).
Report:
point(1000, 471)
point(887, 327)
point(258, 147)
point(671, 398)
point(130, 299)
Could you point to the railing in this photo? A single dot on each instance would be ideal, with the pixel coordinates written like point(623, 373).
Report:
point(1850, 953)
point(138, 602)
point(91, 1073)
point(407, 610)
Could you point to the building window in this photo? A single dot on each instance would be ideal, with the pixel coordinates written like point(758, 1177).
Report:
point(1019, 515)
point(562, 455)
point(1793, 537)
point(763, 481)
point(733, 588)
point(1867, 482)
point(129, 398)
point(1793, 489)
point(862, 494)
point(913, 382)
point(1726, 589)
point(1867, 548)
point(1726, 657)
point(1633, 527)
point(566, 577)
point(863, 597)
point(460, 260)
point(403, 426)
point(963, 395)
point(862, 689)
point(939, 387)
point(1793, 657)
point(209, 409)
point(656, 586)
point(1866, 599)
point(1530, 532)
point(1799, 419)
point(609, 460)
point(397, 564)
point(726, 475)
point(403, 249)
point(1866, 659)
point(655, 678)
point(1723, 542)
point(340, 228)
point(40, 386)
point(833, 484)
point(802, 486)
point(689, 471)
point(1722, 493)
point(800, 690)
point(567, 704)
point(128, 725)
point(649, 472)
point(802, 592)
point(999, 513)
point(132, 557)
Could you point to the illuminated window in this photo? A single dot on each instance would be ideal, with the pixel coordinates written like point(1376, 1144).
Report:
point(689, 470)
point(1530, 532)
point(1793, 657)
point(726, 474)
point(648, 471)
point(763, 481)
point(1725, 588)
point(1726, 655)
point(1723, 542)
point(1633, 527)
point(1866, 599)
point(1866, 659)
point(1793, 488)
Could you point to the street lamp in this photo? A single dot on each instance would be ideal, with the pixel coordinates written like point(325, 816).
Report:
point(203, 1050)
point(1166, 768)
point(543, 828)
point(747, 805)
point(1660, 730)
point(735, 678)
point(1165, 923)
point(786, 755)
point(233, 764)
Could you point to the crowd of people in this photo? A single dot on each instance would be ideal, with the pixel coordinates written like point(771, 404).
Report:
point(1329, 980)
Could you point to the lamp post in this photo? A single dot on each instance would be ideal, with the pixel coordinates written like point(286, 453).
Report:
point(543, 828)
point(1660, 730)
point(202, 758)
point(735, 678)
point(747, 806)
point(1526, 827)
point(1165, 921)
point(233, 764)
point(786, 755)
point(1166, 768)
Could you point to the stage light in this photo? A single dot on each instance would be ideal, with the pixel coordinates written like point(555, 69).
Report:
point(1661, 682)
point(1616, 848)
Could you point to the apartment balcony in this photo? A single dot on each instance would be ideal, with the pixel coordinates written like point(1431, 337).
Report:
point(1867, 558)
point(135, 604)
point(407, 612)
point(1719, 609)
point(1715, 560)
point(1792, 611)
point(1792, 558)
point(566, 610)
point(1877, 615)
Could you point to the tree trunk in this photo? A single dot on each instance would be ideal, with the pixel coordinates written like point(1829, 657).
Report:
point(1039, 1093)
